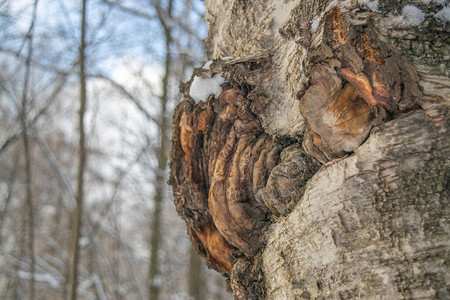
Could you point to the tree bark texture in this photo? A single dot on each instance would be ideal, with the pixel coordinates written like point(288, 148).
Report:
point(321, 170)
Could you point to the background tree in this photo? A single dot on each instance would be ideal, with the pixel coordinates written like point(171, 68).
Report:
point(78, 212)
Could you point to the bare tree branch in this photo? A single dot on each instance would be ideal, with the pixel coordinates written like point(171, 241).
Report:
point(126, 93)
point(47, 103)
point(128, 9)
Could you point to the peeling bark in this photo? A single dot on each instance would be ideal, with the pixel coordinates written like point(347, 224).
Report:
point(321, 171)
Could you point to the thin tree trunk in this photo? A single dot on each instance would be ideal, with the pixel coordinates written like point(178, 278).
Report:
point(81, 163)
point(219, 287)
point(20, 245)
point(16, 281)
point(117, 251)
point(91, 265)
point(29, 205)
point(11, 180)
point(27, 154)
point(154, 278)
point(195, 275)
point(65, 243)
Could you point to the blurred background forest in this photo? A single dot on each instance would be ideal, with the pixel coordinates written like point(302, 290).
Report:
point(87, 91)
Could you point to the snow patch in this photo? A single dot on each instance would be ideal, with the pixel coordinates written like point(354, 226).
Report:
point(207, 65)
point(99, 288)
point(384, 276)
point(443, 14)
point(371, 4)
point(411, 16)
point(201, 88)
point(315, 24)
point(441, 2)
point(40, 277)
point(157, 281)
point(83, 242)
point(331, 5)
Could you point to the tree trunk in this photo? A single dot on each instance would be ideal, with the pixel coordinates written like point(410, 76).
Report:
point(195, 276)
point(27, 153)
point(321, 170)
point(78, 212)
point(154, 278)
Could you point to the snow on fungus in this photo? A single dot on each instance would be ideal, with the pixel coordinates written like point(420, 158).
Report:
point(411, 16)
point(207, 65)
point(443, 14)
point(201, 88)
point(315, 24)
point(332, 4)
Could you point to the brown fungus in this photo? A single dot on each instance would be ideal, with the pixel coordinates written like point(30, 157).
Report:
point(353, 89)
point(221, 163)
point(216, 171)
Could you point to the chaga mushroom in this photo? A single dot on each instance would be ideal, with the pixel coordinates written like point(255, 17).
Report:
point(220, 162)
point(338, 117)
point(210, 243)
point(190, 181)
point(351, 90)
point(227, 176)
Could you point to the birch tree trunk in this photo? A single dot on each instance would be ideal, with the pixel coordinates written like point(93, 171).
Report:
point(355, 97)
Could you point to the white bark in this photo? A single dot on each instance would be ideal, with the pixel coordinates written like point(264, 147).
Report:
point(375, 223)
point(233, 34)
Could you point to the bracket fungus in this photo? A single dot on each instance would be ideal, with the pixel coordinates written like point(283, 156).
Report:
point(352, 89)
point(221, 163)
